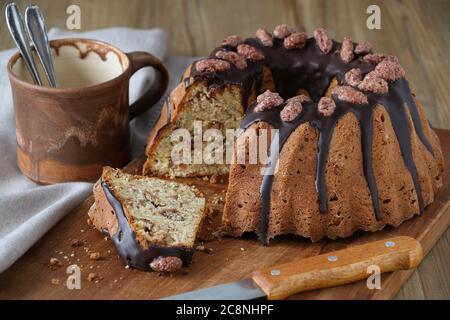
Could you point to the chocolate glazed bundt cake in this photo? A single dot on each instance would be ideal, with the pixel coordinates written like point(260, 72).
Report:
point(356, 149)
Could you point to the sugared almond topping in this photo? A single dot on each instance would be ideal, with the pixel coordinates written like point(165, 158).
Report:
point(353, 77)
point(296, 40)
point(300, 98)
point(372, 83)
point(376, 58)
point(268, 100)
point(282, 31)
point(264, 37)
point(231, 56)
point(363, 48)
point(326, 106)
point(347, 54)
point(389, 70)
point(249, 52)
point(323, 40)
point(291, 111)
point(212, 65)
point(232, 41)
point(350, 95)
point(166, 264)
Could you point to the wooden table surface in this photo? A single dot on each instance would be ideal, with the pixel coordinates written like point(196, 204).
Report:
point(417, 31)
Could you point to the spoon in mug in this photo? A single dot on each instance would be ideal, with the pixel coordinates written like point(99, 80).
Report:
point(16, 28)
point(35, 23)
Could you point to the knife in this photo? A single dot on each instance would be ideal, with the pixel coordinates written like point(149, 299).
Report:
point(322, 271)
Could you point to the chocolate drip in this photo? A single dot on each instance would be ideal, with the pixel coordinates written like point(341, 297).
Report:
point(394, 102)
point(408, 97)
point(127, 246)
point(326, 129)
point(169, 110)
point(366, 128)
point(310, 69)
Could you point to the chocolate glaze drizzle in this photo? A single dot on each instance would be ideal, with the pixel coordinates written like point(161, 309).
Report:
point(127, 246)
point(310, 69)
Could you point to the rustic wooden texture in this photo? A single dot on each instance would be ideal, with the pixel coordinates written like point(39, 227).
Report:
point(415, 30)
point(230, 259)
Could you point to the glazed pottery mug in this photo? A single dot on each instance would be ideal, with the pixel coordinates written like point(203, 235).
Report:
point(70, 132)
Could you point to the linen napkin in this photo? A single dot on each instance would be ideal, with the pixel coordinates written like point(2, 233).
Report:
point(28, 210)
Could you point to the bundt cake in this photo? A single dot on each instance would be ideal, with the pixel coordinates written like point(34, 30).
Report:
point(355, 150)
point(152, 222)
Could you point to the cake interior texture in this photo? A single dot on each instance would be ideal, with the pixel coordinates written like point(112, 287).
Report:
point(160, 212)
point(219, 108)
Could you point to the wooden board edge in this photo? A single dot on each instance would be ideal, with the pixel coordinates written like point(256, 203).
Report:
point(427, 239)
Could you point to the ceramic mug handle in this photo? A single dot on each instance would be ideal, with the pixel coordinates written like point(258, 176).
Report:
point(139, 60)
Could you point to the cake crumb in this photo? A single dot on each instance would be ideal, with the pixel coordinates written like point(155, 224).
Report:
point(92, 276)
point(54, 264)
point(214, 179)
point(95, 256)
point(55, 282)
point(77, 243)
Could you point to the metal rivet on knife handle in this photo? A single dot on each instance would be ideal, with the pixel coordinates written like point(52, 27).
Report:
point(275, 272)
point(332, 258)
point(389, 244)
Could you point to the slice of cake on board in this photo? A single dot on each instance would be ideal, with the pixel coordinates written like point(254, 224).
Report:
point(152, 222)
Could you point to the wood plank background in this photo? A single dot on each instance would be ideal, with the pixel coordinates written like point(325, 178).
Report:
point(417, 31)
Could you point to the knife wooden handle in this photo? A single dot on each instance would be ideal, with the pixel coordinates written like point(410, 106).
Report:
point(338, 267)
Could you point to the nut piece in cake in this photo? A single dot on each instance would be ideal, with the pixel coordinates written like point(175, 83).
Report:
point(264, 37)
point(323, 40)
point(249, 52)
point(296, 40)
point(353, 77)
point(389, 70)
point(268, 100)
point(347, 50)
point(282, 31)
point(212, 65)
point(373, 83)
point(326, 106)
point(363, 48)
point(350, 95)
point(232, 41)
point(291, 111)
point(233, 57)
point(166, 264)
point(376, 58)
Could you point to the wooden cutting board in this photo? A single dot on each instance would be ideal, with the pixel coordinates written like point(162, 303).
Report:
point(229, 259)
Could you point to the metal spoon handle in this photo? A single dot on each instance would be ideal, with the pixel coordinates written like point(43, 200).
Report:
point(35, 23)
point(16, 28)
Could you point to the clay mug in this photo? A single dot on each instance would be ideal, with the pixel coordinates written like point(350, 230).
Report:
point(69, 133)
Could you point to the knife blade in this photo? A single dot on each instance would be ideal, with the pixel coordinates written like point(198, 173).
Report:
point(317, 272)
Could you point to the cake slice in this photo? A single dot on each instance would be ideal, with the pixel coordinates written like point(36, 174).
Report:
point(152, 222)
